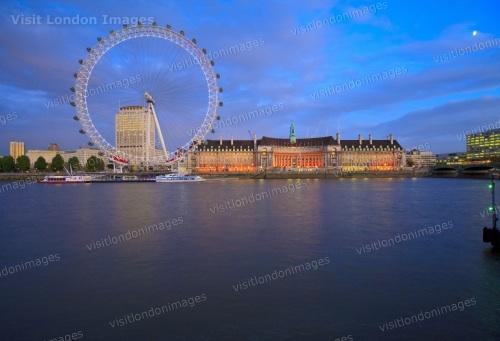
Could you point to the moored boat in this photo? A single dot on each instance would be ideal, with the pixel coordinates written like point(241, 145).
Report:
point(66, 179)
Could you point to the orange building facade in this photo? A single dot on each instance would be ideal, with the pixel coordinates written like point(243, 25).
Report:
point(253, 156)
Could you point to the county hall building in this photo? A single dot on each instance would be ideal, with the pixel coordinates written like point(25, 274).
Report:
point(288, 154)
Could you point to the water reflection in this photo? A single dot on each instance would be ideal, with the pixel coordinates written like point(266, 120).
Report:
point(212, 250)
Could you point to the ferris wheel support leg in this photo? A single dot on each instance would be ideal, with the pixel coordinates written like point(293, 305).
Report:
point(148, 139)
point(157, 123)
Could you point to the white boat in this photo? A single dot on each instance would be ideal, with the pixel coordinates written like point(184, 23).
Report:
point(130, 178)
point(178, 178)
point(66, 179)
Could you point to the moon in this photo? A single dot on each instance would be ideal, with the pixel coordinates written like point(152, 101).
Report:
point(474, 33)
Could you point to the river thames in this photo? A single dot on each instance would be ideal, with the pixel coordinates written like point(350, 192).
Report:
point(344, 259)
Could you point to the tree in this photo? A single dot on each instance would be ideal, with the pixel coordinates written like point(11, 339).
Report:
point(94, 164)
point(57, 163)
point(74, 163)
point(40, 164)
point(8, 164)
point(23, 163)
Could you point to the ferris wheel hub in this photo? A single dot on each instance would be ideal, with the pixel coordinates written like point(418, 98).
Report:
point(149, 98)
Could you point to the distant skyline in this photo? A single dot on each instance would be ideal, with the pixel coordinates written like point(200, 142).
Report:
point(425, 71)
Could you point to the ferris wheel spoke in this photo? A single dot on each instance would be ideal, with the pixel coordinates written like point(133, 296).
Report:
point(175, 88)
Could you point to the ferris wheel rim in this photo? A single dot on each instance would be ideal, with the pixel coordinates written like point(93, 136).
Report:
point(115, 38)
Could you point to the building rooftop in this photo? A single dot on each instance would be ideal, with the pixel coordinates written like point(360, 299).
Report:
point(486, 132)
point(377, 144)
point(131, 107)
point(305, 142)
point(313, 141)
point(226, 144)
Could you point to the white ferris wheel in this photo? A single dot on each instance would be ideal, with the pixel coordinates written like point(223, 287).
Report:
point(166, 33)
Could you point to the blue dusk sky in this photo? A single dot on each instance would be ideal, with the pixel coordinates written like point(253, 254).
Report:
point(425, 71)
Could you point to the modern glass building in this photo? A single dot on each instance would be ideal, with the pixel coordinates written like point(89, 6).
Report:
point(484, 146)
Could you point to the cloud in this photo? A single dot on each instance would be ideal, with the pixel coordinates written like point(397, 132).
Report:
point(443, 126)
